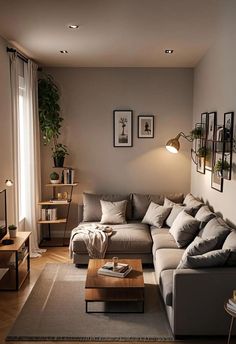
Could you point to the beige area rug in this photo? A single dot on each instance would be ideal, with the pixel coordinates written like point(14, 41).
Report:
point(55, 310)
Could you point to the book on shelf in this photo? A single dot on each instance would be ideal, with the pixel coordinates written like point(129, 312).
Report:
point(49, 214)
point(68, 175)
point(56, 200)
point(121, 270)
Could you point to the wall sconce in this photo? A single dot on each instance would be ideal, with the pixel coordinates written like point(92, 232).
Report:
point(173, 145)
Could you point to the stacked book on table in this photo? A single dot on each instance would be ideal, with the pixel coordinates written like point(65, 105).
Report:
point(121, 270)
point(231, 305)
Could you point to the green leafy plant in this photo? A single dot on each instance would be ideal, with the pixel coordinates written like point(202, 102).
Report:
point(12, 227)
point(196, 133)
point(54, 176)
point(59, 151)
point(221, 166)
point(203, 152)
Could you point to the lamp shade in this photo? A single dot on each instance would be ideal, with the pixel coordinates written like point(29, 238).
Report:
point(173, 145)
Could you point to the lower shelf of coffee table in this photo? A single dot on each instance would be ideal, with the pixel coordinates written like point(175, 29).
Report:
point(114, 294)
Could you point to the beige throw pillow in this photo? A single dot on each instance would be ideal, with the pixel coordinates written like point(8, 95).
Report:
point(156, 215)
point(113, 212)
point(184, 229)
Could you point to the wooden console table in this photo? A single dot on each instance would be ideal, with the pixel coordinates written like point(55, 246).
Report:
point(15, 261)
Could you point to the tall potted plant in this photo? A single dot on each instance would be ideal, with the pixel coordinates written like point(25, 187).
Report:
point(49, 117)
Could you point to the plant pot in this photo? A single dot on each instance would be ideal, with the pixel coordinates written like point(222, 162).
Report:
point(12, 233)
point(59, 162)
point(53, 181)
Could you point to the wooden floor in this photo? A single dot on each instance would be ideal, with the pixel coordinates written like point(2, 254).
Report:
point(12, 302)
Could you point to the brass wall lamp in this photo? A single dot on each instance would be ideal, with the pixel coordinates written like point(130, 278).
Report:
point(173, 145)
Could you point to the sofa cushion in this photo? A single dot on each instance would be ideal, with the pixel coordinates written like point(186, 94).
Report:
point(192, 202)
point(126, 238)
point(207, 260)
point(141, 202)
point(184, 229)
point(199, 246)
point(176, 209)
point(113, 212)
point(204, 215)
point(156, 215)
point(167, 258)
point(168, 203)
point(216, 228)
point(230, 243)
point(162, 239)
point(166, 286)
point(92, 206)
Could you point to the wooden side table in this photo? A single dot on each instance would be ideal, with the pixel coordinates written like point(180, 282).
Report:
point(15, 258)
point(233, 316)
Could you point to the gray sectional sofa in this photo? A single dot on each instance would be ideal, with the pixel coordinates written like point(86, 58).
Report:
point(194, 296)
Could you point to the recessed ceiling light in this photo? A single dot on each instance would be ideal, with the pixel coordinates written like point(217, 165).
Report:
point(169, 51)
point(63, 51)
point(73, 26)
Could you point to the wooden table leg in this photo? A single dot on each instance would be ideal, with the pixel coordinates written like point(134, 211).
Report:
point(230, 329)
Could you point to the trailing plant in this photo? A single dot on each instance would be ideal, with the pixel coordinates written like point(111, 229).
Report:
point(54, 176)
point(221, 166)
point(196, 133)
point(203, 152)
point(49, 109)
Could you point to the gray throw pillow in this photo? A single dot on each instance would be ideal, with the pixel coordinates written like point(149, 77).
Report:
point(169, 204)
point(216, 228)
point(204, 215)
point(156, 215)
point(176, 209)
point(230, 243)
point(199, 246)
point(207, 260)
point(113, 212)
point(184, 229)
point(192, 202)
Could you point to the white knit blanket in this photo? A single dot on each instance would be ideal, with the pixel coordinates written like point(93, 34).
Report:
point(95, 237)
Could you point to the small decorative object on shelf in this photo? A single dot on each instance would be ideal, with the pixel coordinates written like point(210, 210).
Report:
point(12, 231)
point(54, 178)
point(59, 151)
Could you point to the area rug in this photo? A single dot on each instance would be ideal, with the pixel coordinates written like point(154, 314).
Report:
point(55, 310)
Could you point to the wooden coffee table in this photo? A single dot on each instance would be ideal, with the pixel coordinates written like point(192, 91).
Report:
point(100, 288)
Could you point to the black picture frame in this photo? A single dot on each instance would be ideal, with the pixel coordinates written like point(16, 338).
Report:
point(122, 128)
point(204, 122)
point(145, 126)
point(216, 179)
point(211, 126)
point(228, 141)
point(209, 155)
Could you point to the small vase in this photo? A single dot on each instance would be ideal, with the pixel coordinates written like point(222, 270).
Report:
point(59, 162)
point(12, 233)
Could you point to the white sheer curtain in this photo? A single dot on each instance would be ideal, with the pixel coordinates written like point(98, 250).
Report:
point(30, 149)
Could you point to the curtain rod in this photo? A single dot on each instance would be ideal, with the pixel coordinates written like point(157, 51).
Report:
point(21, 56)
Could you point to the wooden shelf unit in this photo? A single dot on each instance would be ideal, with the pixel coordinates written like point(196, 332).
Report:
point(55, 202)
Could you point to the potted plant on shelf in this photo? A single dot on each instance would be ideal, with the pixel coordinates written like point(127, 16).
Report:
point(49, 117)
point(222, 168)
point(12, 231)
point(59, 151)
point(54, 178)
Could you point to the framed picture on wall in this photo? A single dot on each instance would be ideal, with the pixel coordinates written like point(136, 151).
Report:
point(146, 127)
point(216, 173)
point(209, 150)
point(204, 123)
point(228, 143)
point(122, 128)
point(211, 126)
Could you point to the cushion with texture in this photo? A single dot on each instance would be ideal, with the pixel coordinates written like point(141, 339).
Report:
point(176, 209)
point(204, 215)
point(210, 259)
point(92, 207)
point(230, 243)
point(216, 228)
point(184, 229)
point(141, 202)
point(168, 203)
point(192, 202)
point(199, 246)
point(156, 215)
point(113, 212)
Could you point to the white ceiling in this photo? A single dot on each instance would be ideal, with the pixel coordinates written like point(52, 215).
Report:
point(112, 33)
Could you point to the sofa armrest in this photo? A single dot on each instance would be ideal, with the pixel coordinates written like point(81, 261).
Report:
point(198, 300)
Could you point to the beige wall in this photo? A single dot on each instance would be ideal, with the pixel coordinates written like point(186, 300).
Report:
point(6, 170)
point(89, 96)
point(215, 90)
